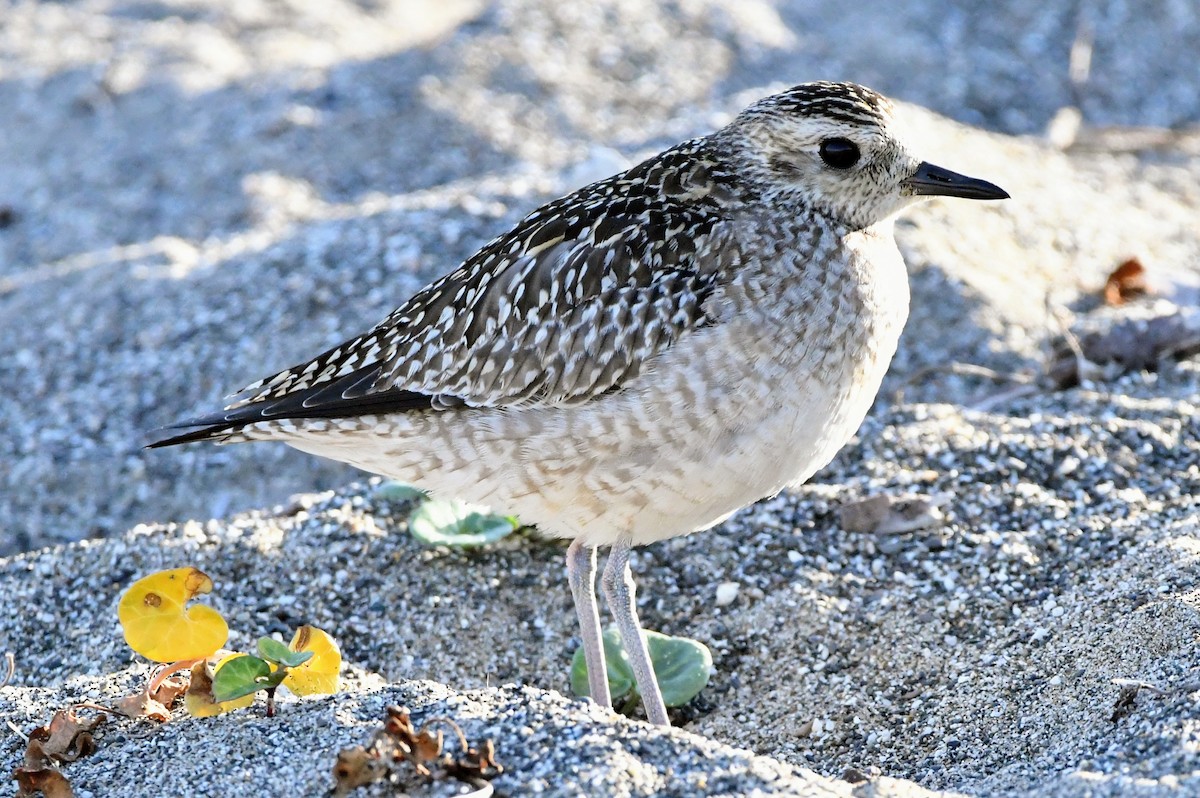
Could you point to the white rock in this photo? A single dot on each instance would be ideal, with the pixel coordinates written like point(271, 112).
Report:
point(726, 593)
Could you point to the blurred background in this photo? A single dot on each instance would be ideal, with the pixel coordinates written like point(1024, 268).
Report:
point(197, 193)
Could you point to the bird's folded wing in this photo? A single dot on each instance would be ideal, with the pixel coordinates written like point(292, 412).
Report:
point(561, 323)
point(559, 311)
point(567, 306)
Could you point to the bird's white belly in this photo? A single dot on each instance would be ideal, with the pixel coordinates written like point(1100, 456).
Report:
point(769, 434)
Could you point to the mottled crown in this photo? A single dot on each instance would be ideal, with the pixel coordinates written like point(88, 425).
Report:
point(842, 102)
point(776, 147)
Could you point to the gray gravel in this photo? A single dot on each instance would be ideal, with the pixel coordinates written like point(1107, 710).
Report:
point(978, 657)
point(201, 193)
point(547, 746)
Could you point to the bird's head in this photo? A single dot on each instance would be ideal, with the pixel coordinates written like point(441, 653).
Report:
point(835, 148)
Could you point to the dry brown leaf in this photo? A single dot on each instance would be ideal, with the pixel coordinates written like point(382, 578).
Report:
point(171, 689)
point(38, 774)
point(141, 705)
point(399, 742)
point(426, 747)
point(476, 763)
point(1129, 345)
point(1139, 344)
point(398, 723)
point(417, 747)
point(1126, 282)
point(66, 738)
point(200, 679)
point(199, 699)
point(355, 767)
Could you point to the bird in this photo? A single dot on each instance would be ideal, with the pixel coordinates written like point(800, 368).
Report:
point(640, 358)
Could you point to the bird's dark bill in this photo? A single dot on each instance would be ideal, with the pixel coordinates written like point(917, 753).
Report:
point(930, 180)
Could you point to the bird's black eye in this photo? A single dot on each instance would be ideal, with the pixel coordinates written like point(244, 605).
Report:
point(839, 153)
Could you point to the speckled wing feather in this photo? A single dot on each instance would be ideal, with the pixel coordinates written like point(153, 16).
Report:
point(563, 308)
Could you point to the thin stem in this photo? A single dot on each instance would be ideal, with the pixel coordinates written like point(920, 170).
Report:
point(16, 730)
point(162, 674)
point(458, 732)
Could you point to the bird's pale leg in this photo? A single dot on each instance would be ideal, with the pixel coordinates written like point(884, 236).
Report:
point(620, 591)
point(581, 573)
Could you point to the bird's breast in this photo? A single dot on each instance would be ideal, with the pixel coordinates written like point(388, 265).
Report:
point(759, 399)
point(786, 375)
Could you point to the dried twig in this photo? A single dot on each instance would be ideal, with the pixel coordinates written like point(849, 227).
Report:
point(991, 400)
point(1064, 325)
point(962, 369)
point(16, 730)
point(458, 732)
point(400, 742)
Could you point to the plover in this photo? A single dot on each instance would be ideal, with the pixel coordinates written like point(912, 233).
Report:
point(642, 357)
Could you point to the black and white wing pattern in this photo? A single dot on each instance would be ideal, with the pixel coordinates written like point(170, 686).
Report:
point(563, 308)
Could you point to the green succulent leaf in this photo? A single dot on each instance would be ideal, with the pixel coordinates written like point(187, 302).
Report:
point(272, 650)
point(240, 677)
point(393, 491)
point(681, 666)
point(621, 682)
point(438, 522)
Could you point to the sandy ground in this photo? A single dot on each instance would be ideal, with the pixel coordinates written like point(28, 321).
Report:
point(198, 193)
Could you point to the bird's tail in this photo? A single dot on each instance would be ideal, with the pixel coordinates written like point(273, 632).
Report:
point(343, 397)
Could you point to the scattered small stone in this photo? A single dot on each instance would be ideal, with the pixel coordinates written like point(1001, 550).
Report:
point(888, 515)
point(855, 776)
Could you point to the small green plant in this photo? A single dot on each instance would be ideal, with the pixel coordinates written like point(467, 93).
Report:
point(247, 674)
point(681, 666)
point(159, 624)
point(441, 522)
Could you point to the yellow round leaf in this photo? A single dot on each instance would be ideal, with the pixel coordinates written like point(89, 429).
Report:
point(319, 675)
point(159, 626)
